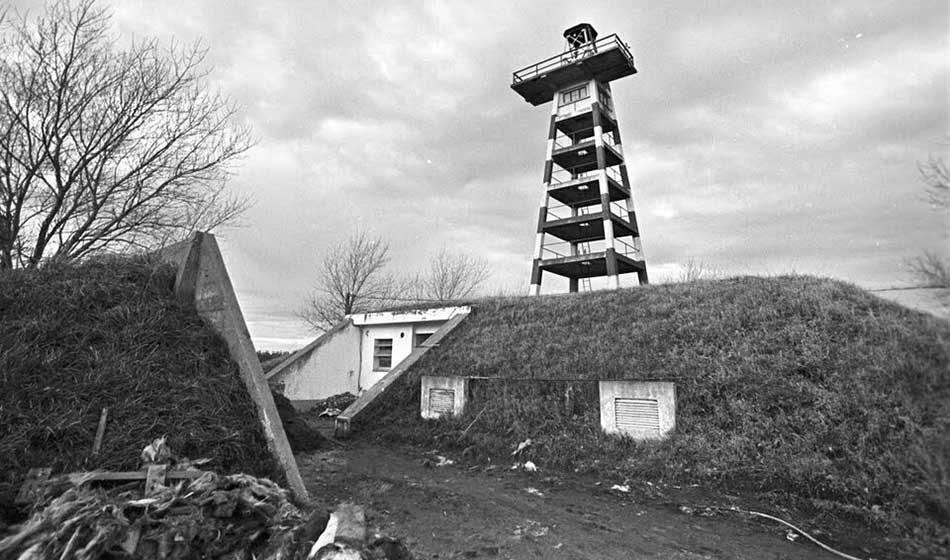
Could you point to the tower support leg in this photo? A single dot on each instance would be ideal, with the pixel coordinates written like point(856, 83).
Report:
point(536, 273)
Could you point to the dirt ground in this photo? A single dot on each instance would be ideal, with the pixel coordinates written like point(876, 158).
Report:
point(481, 511)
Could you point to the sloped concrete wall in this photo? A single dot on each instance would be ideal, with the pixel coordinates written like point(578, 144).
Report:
point(328, 366)
point(203, 280)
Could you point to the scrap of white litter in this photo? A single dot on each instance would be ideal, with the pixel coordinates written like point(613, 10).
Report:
point(442, 461)
point(620, 487)
point(530, 466)
point(534, 491)
point(327, 537)
point(521, 446)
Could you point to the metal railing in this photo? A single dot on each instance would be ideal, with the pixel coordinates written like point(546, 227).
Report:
point(618, 210)
point(562, 211)
point(627, 249)
point(569, 57)
point(562, 249)
point(582, 136)
point(559, 176)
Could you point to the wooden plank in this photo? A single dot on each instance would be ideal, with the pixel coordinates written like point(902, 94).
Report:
point(37, 478)
point(100, 432)
point(155, 478)
point(128, 476)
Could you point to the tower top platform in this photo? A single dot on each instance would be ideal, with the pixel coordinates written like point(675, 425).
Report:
point(604, 60)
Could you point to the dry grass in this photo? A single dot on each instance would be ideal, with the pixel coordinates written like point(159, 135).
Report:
point(809, 388)
point(74, 340)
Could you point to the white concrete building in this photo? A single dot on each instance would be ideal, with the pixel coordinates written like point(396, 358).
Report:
point(355, 354)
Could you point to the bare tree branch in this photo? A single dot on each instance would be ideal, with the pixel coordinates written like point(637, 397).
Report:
point(931, 269)
point(104, 149)
point(449, 277)
point(936, 176)
point(352, 280)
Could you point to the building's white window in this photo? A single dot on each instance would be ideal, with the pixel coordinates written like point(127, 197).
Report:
point(421, 338)
point(572, 95)
point(382, 354)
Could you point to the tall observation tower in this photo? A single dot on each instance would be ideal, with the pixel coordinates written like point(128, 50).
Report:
point(587, 226)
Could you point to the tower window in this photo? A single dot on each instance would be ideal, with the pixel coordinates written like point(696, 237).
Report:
point(572, 95)
point(382, 354)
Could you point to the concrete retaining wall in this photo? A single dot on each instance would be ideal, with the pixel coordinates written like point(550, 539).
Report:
point(203, 280)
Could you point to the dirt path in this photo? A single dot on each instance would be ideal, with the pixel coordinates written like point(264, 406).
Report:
point(457, 512)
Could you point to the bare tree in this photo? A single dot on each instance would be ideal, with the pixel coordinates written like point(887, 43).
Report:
point(936, 176)
point(449, 277)
point(930, 269)
point(103, 149)
point(352, 279)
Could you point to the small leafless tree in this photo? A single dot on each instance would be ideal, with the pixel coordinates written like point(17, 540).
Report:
point(931, 269)
point(936, 176)
point(449, 277)
point(352, 279)
point(103, 149)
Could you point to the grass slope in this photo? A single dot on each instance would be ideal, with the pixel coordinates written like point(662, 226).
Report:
point(808, 387)
point(74, 340)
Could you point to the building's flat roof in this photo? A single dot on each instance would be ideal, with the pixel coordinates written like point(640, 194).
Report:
point(407, 315)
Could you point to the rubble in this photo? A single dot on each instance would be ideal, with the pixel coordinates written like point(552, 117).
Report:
point(191, 514)
point(211, 516)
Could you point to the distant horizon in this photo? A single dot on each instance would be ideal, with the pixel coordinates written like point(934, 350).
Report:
point(923, 299)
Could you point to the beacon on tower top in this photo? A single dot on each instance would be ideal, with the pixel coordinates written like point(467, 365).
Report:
point(584, 58)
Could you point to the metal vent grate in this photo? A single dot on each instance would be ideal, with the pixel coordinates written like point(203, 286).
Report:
point(442, 401)
point(637, 414)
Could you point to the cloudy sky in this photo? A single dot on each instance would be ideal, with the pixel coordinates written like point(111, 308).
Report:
point(761, 137)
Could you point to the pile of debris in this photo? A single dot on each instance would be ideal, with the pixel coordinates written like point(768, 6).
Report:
point(210, 516)
point(183, 512)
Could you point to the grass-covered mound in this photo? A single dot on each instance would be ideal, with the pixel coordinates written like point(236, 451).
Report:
point(75, 340)
point(807, 387)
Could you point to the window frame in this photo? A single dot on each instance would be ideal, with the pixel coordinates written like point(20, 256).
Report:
point(382, 351)
point(568, 97)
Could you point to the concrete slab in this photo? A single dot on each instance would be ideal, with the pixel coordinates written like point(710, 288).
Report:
point(203, 280)
point(639, 409)
point(443, 396)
